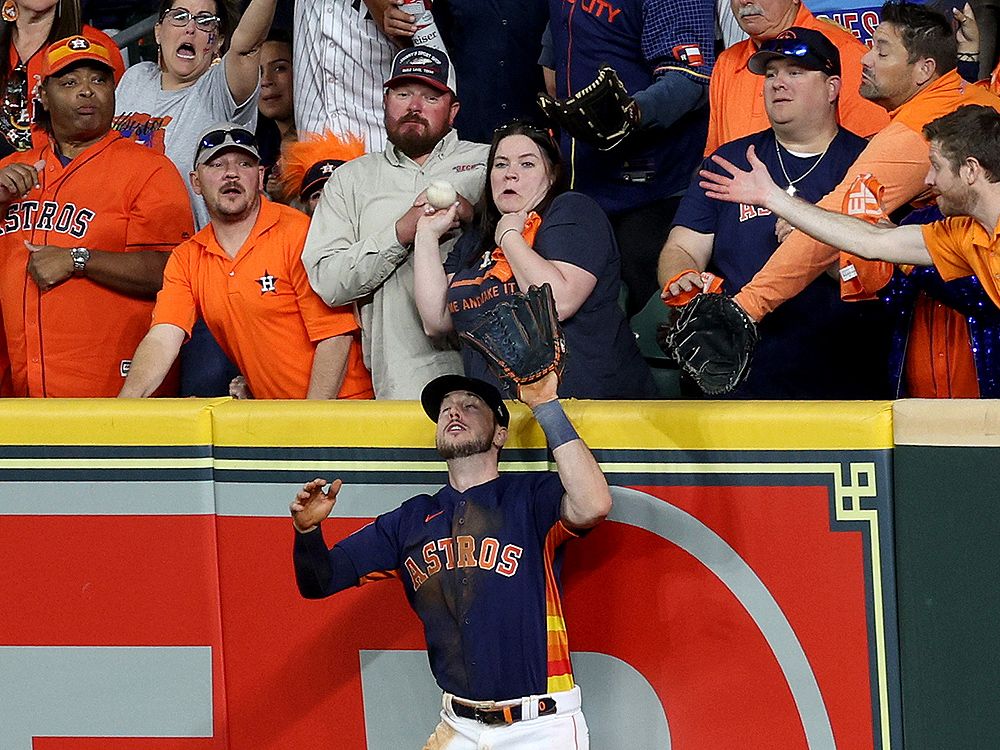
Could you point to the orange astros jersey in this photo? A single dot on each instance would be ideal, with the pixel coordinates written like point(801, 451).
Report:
point(77, 339)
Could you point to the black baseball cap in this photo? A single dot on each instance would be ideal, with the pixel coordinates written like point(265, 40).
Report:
point(805, 47)
point(435, 391)
point(316, 177)
point(424, 64)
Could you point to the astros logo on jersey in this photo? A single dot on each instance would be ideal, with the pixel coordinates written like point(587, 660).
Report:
point(460, 552)
point(47, 216)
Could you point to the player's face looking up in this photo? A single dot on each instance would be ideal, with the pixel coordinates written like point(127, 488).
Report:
point(466, 426)
point(417, 116)
point(887, 77)
point(793, 94)
point(187, 51)
point(520, 175)
point(80, 101)
point(230, 183)
point(764, 19)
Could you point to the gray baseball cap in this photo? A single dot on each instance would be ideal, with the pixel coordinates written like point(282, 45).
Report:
point(223, 135)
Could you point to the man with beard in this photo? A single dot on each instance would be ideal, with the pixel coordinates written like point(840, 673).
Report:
point(360, 243)
point(243, 275)
point(965, 174)
point(479, 561)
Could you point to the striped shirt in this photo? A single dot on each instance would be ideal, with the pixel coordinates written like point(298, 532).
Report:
point(340, 61)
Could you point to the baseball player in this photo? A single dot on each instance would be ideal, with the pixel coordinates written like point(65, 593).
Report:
point(89, 220)
point(243, 275)
point(479, 561)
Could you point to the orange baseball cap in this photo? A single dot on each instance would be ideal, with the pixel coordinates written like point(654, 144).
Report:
point(74, 49)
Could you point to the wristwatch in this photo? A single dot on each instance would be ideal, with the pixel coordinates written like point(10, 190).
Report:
point(80, 256)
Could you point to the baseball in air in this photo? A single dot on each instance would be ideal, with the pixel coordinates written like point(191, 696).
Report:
point(441, 194)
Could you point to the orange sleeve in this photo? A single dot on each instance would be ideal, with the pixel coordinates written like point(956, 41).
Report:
point(175, 302)
point(945, 240)
point(160, 212)
point(898, 158)
point(321, 320)
point(715, 108)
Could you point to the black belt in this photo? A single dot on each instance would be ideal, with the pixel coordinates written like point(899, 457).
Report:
point(501, 714)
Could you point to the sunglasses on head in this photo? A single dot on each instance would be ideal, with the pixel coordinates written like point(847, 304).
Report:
point(239, 136)
point(520, 125)
point(180, 17)
point(791, 47)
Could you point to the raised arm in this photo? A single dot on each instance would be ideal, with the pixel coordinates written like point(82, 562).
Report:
point(243, 57)
point(588, 499)
point(430, 282)
point(894, 244)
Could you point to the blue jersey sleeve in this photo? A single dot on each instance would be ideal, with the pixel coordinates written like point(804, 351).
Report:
point(697, 211)
point(679, 35)
point(458, 256)
point(375, 548)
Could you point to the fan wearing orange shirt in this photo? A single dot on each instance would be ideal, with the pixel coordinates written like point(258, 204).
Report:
point(244, 275)
point(965, 174)
point(736, 95)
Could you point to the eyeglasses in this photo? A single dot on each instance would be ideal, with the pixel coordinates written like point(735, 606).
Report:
point(180, 17)
point(239, 136)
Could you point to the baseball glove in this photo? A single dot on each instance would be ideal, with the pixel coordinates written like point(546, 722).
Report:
point(602, 113)
point(713, 340)
point(521, 337)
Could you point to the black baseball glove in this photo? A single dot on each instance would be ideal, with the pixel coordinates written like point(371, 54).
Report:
point(602, 113)
point(713, 340)
point(521, 337)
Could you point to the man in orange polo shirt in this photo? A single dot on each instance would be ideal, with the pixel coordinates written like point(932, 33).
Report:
point(964, 172)
point(243, 273)
point(736, 95)
point(88, 221)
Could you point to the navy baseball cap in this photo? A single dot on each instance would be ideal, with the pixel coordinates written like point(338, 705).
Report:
point(424, 64)
point(435, 391)
point(807, 48)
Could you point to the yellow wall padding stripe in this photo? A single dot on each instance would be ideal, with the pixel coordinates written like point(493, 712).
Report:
point(949, 422)
point(680, 425)
point(175, 421)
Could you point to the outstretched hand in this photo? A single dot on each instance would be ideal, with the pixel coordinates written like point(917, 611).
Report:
point(533, 394)
point(312, 504)
point(755, 188)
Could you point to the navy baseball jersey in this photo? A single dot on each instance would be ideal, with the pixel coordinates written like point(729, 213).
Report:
point(481, 570)
point(815, 346)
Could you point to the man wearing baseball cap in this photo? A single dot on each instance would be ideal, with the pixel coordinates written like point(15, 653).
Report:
point(479, 561)
point(802, 353)
point(353, 252)
point(91, 219)
point(242, 272)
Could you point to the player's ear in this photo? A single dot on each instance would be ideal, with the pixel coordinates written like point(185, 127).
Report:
point(499, 436)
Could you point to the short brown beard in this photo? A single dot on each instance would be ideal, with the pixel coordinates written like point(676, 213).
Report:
point(464, 449)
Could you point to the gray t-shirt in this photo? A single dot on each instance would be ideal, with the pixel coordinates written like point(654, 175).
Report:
point(171, 121)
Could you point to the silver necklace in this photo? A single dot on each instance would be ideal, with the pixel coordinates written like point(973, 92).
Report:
point(791, 190)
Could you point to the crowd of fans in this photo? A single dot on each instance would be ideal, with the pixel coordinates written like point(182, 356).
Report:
point(169, 177)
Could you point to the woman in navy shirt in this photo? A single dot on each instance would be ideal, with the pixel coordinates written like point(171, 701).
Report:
point(531, 231)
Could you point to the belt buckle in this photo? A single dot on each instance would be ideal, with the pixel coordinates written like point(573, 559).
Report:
point(490, 716)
